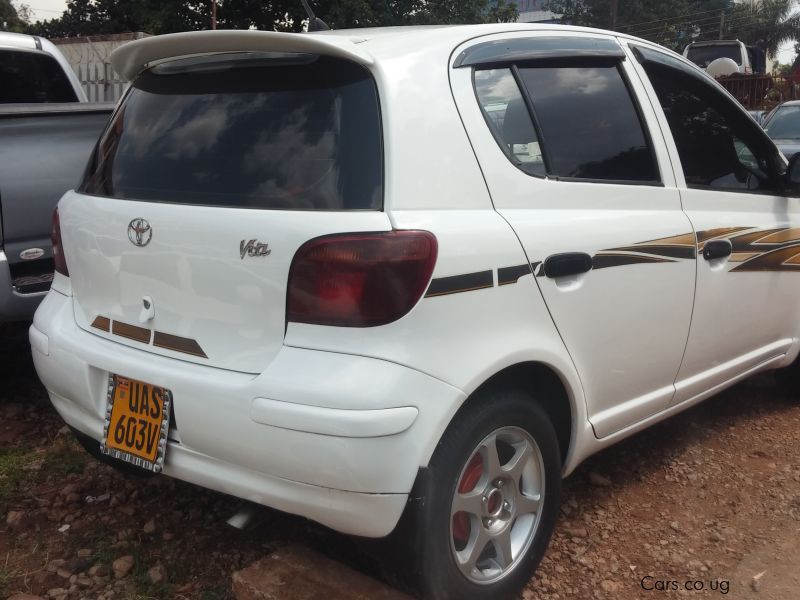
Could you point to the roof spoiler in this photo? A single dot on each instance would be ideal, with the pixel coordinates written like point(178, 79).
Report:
point(132, 58)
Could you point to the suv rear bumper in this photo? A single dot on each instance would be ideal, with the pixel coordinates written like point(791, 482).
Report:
point(335, 438)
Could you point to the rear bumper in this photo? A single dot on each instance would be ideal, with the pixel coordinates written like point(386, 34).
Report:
point(336, 438)
point(14, 306)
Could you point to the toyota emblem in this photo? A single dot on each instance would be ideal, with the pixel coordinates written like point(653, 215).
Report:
point(139, 232)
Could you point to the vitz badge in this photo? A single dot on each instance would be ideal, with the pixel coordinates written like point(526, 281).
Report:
point(253, 248)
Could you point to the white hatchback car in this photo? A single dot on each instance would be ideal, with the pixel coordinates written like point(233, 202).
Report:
point(363, 274)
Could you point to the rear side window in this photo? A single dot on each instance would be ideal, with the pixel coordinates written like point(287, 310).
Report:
point(293, 132)
point(590, 126)
point(33, 77)
point(584, 124)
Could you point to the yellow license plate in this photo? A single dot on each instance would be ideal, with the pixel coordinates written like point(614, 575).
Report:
point(137, 422)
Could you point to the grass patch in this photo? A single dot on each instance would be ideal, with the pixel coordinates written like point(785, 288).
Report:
point(102, 552)
point(12, 474)
point(214, 594)
point(144, 588)
point(5, 580)
point(64, 461)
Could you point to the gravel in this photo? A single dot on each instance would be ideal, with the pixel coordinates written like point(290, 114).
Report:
point(710, 496)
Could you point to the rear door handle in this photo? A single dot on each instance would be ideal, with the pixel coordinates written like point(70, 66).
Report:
point(568, 263)
point(717, 249)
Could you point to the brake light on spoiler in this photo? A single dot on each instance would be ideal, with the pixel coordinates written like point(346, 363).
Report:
point(360, 279)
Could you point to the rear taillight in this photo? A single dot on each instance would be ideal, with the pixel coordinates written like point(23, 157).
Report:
point(58, 248)
point(360, 280)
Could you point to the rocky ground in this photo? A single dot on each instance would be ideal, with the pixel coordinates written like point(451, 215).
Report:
point(709, 500)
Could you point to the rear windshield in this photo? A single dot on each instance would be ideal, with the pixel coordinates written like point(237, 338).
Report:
point(33, 77)
point(293, 132)
point(702, 56)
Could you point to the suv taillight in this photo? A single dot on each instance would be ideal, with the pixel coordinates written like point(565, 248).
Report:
point(360, 279)
point(58, 249)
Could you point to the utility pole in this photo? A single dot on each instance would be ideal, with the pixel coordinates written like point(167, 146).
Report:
point(614, 12)
point(213, 14)
point(722, 25)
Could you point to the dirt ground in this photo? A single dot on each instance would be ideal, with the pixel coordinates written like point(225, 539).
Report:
point(709, 501)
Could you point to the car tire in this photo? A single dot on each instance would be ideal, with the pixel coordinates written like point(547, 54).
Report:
point(491, 549)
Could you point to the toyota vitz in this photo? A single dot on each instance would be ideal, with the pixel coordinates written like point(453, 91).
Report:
point(423, 272)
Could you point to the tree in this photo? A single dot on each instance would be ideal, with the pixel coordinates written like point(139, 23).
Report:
point(765, 23)
point(13, 18)
point(89, 17)
point(673, 24)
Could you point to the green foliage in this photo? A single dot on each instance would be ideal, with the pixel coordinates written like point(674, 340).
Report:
point(12, 475)
point(10, 19)
point(766, 23)
point(61, 462)
point(673, 24)
point(781, 70)
point(94, 17)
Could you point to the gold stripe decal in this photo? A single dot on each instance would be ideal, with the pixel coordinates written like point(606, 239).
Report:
point(178, 344)
point(719, 232)
point(132, 332)
point(781, 259)
point(442, 286)
point(102, 323)
point(140, 334)
point(603, 260)
point(652, 251)
point(756, 249)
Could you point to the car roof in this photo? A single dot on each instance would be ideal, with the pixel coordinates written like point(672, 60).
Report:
point(364, 46)
point(715, 43)
point(17, 40)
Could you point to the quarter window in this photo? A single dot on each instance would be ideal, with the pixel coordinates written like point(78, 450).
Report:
point(508, 118)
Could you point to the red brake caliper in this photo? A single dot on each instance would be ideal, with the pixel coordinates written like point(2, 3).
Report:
point(461, 521)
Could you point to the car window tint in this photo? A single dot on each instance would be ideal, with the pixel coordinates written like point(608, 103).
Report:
point(32, 77)
point(299, 132)
point(589, 124)
point(507, 116)
point(719, 146)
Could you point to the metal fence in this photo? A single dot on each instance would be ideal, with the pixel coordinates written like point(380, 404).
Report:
point(90, 58)
point(761, 92)
point(100, 82)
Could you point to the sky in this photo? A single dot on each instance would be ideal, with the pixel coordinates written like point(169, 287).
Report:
point(48, 9)
point(44, 9)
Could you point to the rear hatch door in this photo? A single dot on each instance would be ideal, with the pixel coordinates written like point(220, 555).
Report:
point(212, 173)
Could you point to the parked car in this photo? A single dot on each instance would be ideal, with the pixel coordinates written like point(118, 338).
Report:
point(783, 126)
point(745, 59)
point(758, 115)
point(417, 272)
point(47, 131)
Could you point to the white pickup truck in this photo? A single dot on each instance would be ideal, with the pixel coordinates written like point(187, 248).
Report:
point(414, 272)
